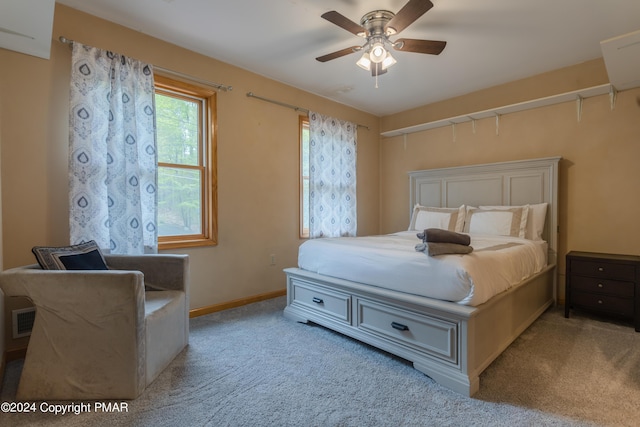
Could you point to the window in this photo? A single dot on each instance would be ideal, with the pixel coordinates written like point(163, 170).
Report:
point(187, 183)
point(304, 177)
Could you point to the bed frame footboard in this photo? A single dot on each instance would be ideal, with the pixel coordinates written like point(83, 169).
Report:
point(450, 343)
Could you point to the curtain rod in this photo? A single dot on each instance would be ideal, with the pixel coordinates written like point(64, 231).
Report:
point(222, 87)
point(293, 107)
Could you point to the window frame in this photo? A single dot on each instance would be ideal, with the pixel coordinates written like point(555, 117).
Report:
point(303, 124)
point(207, 154)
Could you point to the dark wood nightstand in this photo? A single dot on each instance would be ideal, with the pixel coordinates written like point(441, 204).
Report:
point(604, 283)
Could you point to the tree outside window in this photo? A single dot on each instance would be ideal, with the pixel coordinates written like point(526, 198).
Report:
point(186, 164)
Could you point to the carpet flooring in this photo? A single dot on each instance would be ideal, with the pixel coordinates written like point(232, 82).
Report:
point(250, 366)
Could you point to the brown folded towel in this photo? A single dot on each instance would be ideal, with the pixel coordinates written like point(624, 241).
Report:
point(438, 235)
point(434, 249)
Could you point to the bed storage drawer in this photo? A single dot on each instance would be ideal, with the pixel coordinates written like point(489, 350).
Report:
point(335, 305)
point(424, 333)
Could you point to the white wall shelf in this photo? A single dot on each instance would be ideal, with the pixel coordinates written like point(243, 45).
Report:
point(577, 95)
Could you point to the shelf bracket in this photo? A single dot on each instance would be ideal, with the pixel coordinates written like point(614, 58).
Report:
point(497, 124)
point(613, 95)
point(579, 102)
point(453, 130)
point(473, 124)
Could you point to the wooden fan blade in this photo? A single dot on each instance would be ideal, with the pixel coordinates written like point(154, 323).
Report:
point(338, 54)
point(431, 47)
point(411, 11)
point(344, 22)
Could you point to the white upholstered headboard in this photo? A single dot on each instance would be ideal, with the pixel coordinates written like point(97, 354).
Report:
point(506, 183)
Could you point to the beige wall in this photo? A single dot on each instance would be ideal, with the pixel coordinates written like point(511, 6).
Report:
point(257, 159)
point(599, 174)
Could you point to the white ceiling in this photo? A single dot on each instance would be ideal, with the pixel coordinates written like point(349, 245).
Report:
point(489, 42)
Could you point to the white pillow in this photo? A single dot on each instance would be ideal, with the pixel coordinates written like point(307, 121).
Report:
point(535, 219)
point(508, 221)
point(424, 217)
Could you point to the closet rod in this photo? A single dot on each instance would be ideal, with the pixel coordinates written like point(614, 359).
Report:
point(222, 87)
point(293, 107)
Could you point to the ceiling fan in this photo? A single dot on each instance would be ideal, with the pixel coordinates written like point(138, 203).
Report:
point(376, 27)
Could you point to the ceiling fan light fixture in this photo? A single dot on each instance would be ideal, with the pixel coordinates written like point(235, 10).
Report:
point(388, 61)
point(377, 53)
point(364, 62)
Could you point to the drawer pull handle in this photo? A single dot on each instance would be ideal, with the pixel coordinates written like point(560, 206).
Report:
point(600, 285)
point(600, 268)
point(317, 300)
point(599, 301)
point(399, 326)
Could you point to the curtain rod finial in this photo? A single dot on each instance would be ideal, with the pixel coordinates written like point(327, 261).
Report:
point(66, 41)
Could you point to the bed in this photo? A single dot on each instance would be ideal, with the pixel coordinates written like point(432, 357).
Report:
point(453, 331)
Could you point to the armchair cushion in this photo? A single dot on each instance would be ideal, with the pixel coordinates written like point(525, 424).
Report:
point(84, 256)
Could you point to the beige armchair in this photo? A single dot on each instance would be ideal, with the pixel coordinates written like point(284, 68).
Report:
point(98, 334)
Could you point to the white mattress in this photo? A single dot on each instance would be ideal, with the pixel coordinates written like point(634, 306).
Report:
point(391, 261)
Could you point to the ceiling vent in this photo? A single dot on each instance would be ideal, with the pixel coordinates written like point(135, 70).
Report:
point(25, 26)
point(622, 58)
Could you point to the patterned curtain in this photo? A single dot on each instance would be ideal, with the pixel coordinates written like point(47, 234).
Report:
point(112, 152)
point(332, 177)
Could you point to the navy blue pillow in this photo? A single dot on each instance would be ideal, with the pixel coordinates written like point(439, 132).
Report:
point(91, 260)
point(85, 256)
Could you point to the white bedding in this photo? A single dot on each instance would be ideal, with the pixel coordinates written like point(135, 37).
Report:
point(391, 261)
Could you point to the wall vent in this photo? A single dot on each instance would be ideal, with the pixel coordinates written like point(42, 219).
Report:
point(23, 321)
point(622, 58)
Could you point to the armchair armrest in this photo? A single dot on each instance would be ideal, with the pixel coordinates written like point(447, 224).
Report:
point(161, 271)
point(80, 314)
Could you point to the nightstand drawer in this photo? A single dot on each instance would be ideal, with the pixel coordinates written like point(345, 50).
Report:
point(603, 269)
point(610, 304)
point(603, 286)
